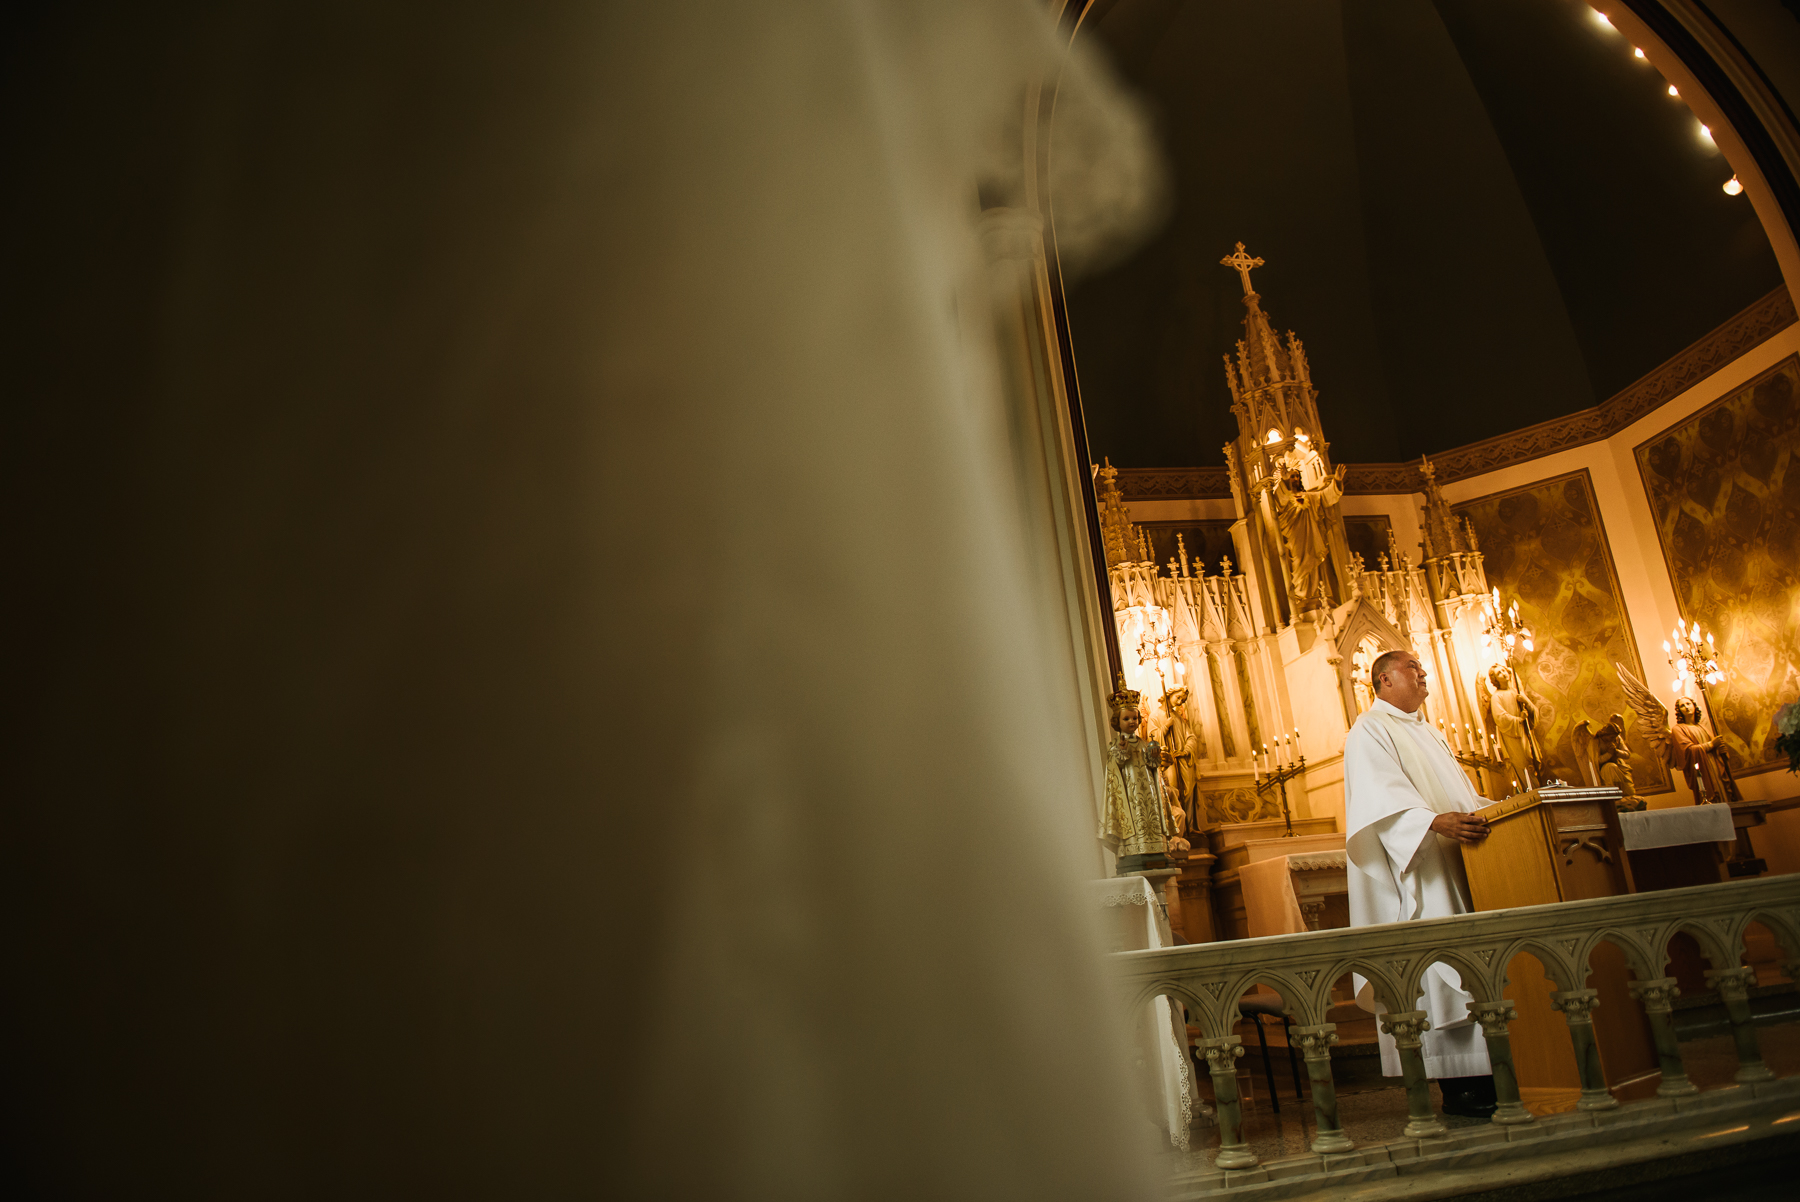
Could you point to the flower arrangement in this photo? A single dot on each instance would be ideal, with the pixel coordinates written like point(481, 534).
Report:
point(1787, 720)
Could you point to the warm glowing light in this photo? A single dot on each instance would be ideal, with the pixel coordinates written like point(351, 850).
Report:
point(1274, 436)
point(1602, 20)
point(1732, 187)
point(1673, 91)
point(1675, 685)
point(1665, 646)
point(1706, 132)
point(1637, 52)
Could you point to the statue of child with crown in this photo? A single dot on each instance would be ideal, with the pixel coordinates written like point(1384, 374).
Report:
point(1135, 821)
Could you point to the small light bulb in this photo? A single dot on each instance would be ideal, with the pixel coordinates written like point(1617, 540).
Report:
point(1665, 646)
point(1706, 132)
point(1732, 187)
point(1673, 91)
point(1637, 52)
point(1675, 685)
point(1528, 645)
point(1709, 641)
point(1601, 18)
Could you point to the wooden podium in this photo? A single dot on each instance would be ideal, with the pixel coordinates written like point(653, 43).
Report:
point(1563, 844)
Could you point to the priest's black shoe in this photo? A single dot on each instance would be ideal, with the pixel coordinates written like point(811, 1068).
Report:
point(1469, 1097)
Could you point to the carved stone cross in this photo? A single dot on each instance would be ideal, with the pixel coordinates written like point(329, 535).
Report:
point(1241, 263)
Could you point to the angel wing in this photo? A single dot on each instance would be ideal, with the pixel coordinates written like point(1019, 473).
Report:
point(1587, 751)
point(1653, 719)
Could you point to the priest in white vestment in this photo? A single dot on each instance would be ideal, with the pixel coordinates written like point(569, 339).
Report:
point(1408, 806)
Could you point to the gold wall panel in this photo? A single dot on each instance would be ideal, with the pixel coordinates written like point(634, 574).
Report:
point(1544, 545)
point(1727, 508)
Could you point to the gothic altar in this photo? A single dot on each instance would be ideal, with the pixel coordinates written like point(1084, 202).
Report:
point(1253, 669)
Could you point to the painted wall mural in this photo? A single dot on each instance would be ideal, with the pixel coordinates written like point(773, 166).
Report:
point(1544, 545)
point(1727, 504)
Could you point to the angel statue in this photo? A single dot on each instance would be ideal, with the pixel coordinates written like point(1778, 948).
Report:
point(1604, 759)
point(1182, 745)
point(1135, 821)
point(1691, 747)
point(1514, 716)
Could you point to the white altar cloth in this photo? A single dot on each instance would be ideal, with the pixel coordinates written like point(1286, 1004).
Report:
point(1677, 825)
point(1166, 1029)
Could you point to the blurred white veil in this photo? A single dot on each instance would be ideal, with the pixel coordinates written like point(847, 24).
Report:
point(534, 686)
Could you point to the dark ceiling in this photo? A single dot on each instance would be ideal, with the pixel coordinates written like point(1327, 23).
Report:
point(1476, 215)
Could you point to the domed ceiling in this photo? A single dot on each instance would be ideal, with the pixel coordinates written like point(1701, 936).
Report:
point(1476, 215)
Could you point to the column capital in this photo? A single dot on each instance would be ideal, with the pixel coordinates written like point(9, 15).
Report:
point(1655, 994)
point(1408, 1027)
point(1221, 1052)
point(1733, 984)
point(1493, 1016)
point(1314, 1042)
point(1577, 1005)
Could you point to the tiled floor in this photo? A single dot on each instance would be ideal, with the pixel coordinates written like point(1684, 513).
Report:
point(1372, 1109)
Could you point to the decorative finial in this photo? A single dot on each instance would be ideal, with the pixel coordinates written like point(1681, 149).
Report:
point(1181, 549)
point(1241, 263)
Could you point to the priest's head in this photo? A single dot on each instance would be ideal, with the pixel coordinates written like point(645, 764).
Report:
point(1399, 680)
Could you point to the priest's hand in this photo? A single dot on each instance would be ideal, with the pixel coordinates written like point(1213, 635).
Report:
point(1464, 828)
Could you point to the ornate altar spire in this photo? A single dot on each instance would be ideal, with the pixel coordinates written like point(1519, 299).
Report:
point(1444, 535)
point(1117, 533)
point(1279, 438)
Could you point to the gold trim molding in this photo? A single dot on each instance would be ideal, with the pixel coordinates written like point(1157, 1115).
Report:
point(1743, 333)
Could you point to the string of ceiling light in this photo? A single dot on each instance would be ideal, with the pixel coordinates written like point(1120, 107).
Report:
point(1731, 186)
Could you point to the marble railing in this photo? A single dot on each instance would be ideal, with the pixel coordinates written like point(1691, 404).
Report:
point(1210, 978)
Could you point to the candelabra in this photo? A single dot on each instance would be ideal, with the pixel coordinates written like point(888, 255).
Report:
point(1155, 646)
point(1277, 769)
point(1502, 632)
point(1693, 658)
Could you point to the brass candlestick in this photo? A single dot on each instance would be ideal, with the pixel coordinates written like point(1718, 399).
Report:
point(1280, 777)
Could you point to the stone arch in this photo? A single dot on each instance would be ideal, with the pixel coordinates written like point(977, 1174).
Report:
point(1483, 982)
point(1558, 966)
point(1303, 998)
point(1388, 985)
point(1784, 926)
point(1718, 944)
point(1639, 958)
point(1200, 1012)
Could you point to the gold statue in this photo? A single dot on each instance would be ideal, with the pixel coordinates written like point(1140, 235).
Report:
point(1182, 745)
point(1605, 760)
point(1135, 822)
point(1691, 747)
point(1515, 717)
point(1300, 513)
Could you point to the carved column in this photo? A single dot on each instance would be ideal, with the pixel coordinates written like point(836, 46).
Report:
point(1408, 1029)
point(1221, 1061)
point(1315, 1045)
point(1577, 1006)
point(1733, 985)
point(1493, 1017)
point(1655, 996)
